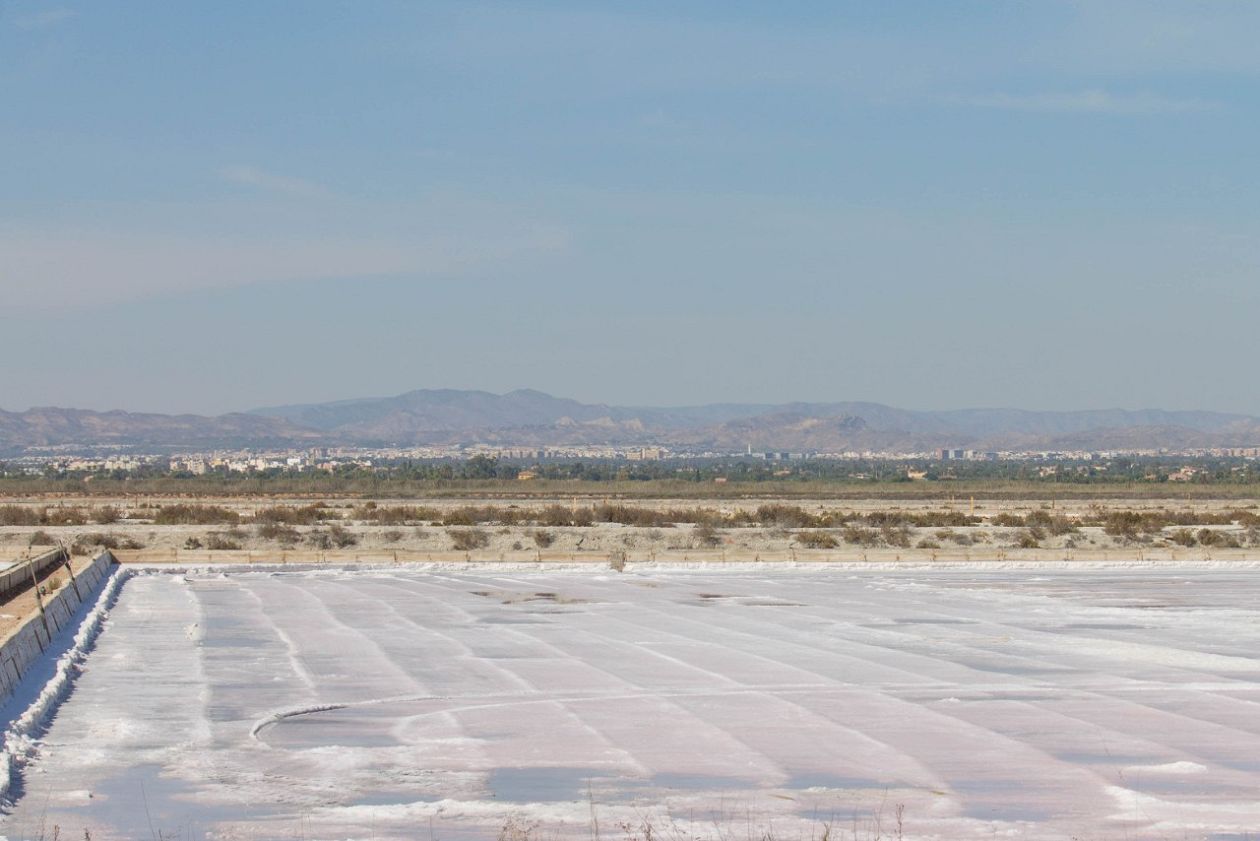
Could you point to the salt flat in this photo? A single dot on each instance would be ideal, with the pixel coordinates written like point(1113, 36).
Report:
point(715, 703)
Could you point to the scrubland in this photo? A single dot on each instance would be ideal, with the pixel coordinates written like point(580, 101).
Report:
point(758, 529)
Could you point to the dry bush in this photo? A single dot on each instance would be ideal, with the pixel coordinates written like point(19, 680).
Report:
point(860, 536)
point(41, 538)
point(278, 532)
point(787, 516)
point(473, 515)
point(336, 537)
point(1027, 539)
point(57, 515)
point(342, 537)
point(1218, 539)
point(181, 514)
point(958, 537)
point(951, 519)
point(86, 544)
point(816, 540)
point(64, 516)
point(106, 516)
point(459, 517)
point(19, 515)
point(543, 539)
point(219, 542)
point(466, 540)
point(627, 515)
point(396, 515)
point(392, 536)
point(706, 535)
point(1054, 524)
point(1247, 519)
point(699, 516)
point(292, 515)
point(1183, 537)
point(898, 536)
point(555, 515)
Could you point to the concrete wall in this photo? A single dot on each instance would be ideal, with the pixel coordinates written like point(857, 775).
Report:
point(18, 576)
point(24, 645)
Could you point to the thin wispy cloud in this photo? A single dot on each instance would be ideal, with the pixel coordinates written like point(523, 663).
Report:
point(44, 19)
point(1092, 101)
point(59, 267)
point(250, 176)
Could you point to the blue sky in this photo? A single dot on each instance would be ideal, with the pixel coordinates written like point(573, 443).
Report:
point(211, 207)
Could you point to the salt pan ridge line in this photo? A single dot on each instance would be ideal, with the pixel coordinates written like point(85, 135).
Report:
point(20, 741)
point(495, 702)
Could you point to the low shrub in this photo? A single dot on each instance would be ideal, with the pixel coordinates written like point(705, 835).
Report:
point(293, 515)
point(342, 537)
point(221, 542)
point(279, 532)
point(465, 540)
point(1183, 537)
point(86, 544)
point(41, 538)
point(898, 536)
point(706, 535)
point(860, 536)
point(398, 515)
point(787, 516)
point(195, 515)
point(20, 515)
point(816, 540)
point(106, 516)
point(1027, 539)
point(1218, 539)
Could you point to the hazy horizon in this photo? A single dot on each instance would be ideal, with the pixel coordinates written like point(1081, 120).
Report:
point(216, 208)
point(639, 405)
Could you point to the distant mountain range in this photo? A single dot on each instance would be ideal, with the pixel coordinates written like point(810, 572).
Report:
point(46, 426)
point(532, 418)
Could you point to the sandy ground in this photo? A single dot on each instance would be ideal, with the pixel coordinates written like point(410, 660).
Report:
point(709, 704)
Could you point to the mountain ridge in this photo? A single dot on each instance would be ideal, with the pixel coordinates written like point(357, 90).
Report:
point(527, 417)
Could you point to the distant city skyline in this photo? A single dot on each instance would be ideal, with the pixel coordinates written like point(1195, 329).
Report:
point(215, 208)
